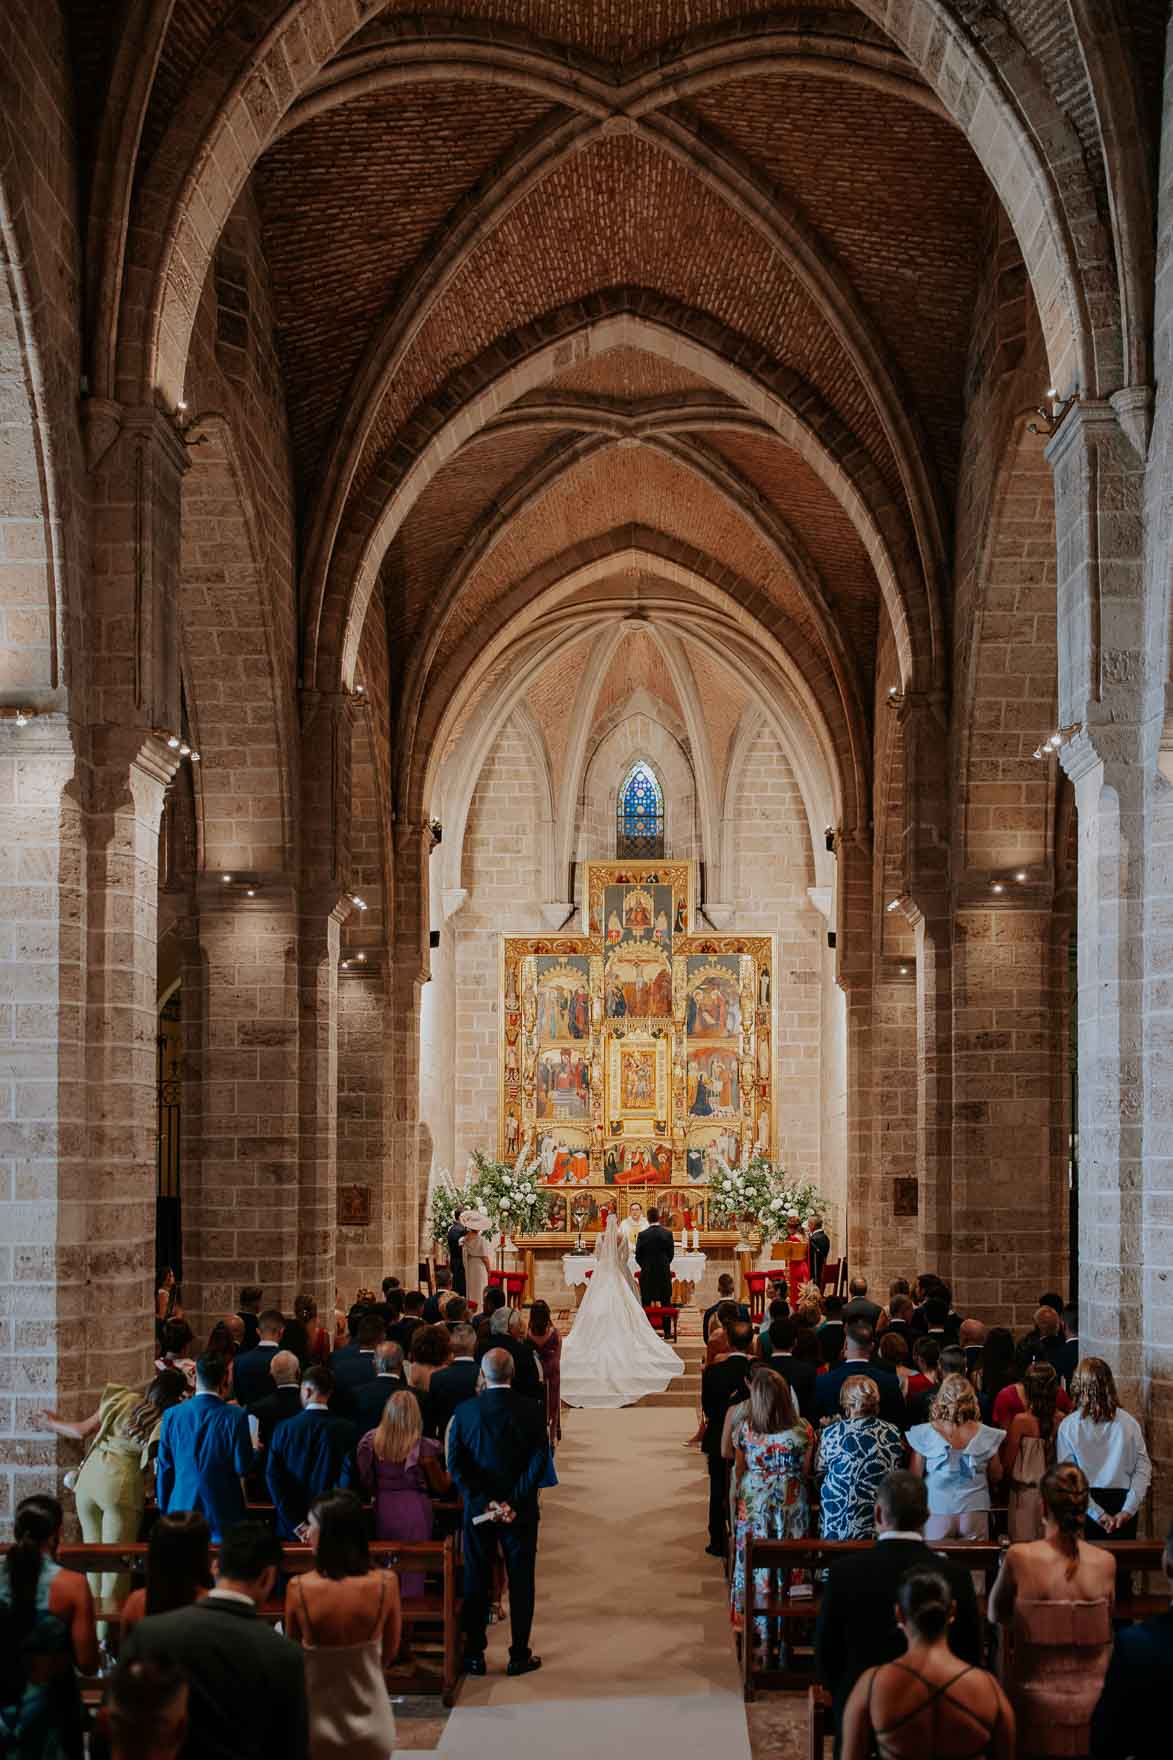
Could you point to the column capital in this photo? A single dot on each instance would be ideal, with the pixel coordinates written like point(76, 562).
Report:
point(105, 421)
point(1092, 420)
point(122, 749)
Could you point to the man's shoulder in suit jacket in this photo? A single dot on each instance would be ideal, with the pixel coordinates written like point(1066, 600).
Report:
point(1136, 1690)
point(283, 1402)
point(248, 1695)
point(252, 1374)
point(363, 1405)
point(801, 1377)
point(720, 1384)
point(450, 1388)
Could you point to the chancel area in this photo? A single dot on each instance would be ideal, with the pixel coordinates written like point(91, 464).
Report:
point(584, 770)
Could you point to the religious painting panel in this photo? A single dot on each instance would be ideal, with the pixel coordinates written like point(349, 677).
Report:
point(634, 1164)
point(639, 985)
point(705, 1144)
point(637, 1086)
point(565, 1157)
point(713, 1005)
point(668, 884)
point(563, 1084)
point(713, 1083)
point(563, 998)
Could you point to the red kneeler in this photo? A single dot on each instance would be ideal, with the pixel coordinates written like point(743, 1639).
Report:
point(755, 1282)
point(657, 1315)
point(512, 1282)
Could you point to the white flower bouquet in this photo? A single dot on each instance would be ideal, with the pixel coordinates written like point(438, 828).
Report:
point(512, 1197)
point(761, 1195)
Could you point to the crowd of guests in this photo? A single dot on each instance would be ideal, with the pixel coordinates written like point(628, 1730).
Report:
point(906, 1423)
point(416, 1414)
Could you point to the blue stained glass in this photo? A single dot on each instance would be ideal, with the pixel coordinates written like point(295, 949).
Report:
point(640, 815)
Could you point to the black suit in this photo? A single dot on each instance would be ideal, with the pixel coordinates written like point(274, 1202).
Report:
point(450, 1388)
point(863, 1308)
point(818, 1252)
point(247, 1698)
point(527, 1375)
point(283, 1402)
point(857, 1626)
point(456, 1257)
point(498, 1452)
point(891, 1394)
point(722, 1385)
point(364, 1405)
point(801, 1377)
point(654, 1252)
point(351, 1370)
point(252, 1374)
point(1134, 1702)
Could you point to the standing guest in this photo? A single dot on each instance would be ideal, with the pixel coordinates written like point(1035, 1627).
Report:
point(950, 1361)
point(722, 1385)
point(818, 1249)
point(404, 1330)
point(431, 1347)
point(994, 1370)
point(922, 1704)
point(893, 1356)
point(857, 1360)
point(1029, 1451)
point(247, 1685)
point(926, 1363)
point(456, 1235)
point(1069, 1358)
point(971, 1338)
point(110, 1490)
point(309, 1455)
point(226, 1339)
point(46, 1628)
point(545, 1340)
point(403, 1470)
point(166, 1300)
point(798, 1270)
point(800, 1376)
point(899, 1286)
point(957, 1456)
point(434, 1306)
point(506, 1332)
point(303, 1335)
point(495, 1300)
point(179, 1568)
point(900, 1317)
point(857, 1611)
point(1056, 1596)
point(366, 1404)
point(252, 1372)
point(1012, 1398)
point(728, 1315)
point(1047, 1338)
point(247, 1312)
point(456, 1382)
point(1108, 1444)
point(855, 1455)
point(345, 1614)
point(860, 1305)
point(1135, 1698)
point(778, 1309)
point(724, 1294)
point(498, 1454)
point(353, 1366)
point(205, 1449)
point(831, 1329)
point(144, 1711)
point(265, 1414)
point(476, 1257)
point(175, 1345)
point(774, 1448)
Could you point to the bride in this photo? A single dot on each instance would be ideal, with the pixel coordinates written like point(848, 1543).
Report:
point(613, 1357)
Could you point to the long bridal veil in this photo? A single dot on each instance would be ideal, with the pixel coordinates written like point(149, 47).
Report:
point(613, 1357)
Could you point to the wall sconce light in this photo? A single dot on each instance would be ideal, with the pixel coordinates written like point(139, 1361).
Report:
point(895, 696)
point(1053, 742)
point(176, 743)
point(18, 713)
point(1051, 413)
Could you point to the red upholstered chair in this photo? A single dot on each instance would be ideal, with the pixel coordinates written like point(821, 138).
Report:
point(657, 1315)
point(755, 1283)
point(512, 1282)
point(830, 1280)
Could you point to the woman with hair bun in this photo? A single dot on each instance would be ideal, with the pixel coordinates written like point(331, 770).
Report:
point(1055, 1595)
point(927, 1705)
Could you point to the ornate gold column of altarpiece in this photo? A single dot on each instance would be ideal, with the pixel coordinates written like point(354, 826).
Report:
point(634, 1052)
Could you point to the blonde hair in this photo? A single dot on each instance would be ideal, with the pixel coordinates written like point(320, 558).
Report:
point(956, 1401)
point(399, 1428)
point(859, 1397)
point(1093, 1390)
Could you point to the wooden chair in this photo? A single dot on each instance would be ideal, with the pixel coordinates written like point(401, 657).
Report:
point(829, 1281)
point(818, 1706)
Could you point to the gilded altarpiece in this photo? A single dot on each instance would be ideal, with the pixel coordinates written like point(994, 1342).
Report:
point(635, 1052)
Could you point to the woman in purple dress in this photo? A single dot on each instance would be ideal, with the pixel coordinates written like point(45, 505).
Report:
point(544, 1337)
point(404, 1470)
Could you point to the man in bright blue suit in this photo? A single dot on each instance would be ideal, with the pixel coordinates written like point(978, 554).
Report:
point(205, 1449)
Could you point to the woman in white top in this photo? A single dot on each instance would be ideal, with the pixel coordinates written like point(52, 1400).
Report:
point(957, 1457)
point(1108, 1444)
point(612, 1356)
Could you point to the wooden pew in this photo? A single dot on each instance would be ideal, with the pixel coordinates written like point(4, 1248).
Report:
point(796, 1606)
point(435, 1613)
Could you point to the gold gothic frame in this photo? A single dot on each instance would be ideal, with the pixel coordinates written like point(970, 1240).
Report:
point(633, 1053)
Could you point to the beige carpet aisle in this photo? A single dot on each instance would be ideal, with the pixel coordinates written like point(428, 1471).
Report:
point(631, 1625)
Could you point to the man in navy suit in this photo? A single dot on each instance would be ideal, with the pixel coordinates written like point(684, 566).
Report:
point(857, 1361)
point(309, 1455)
point(498, 1453)
point(205, 1449)
point(1134, 1702)
point(364, 1405)
point(355, 1364)
point(252, 1372)
point(456, 1382)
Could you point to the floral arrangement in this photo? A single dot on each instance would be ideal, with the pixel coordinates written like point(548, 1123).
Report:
point(759, 1195)
point(511, 1197)
point(446, 1201)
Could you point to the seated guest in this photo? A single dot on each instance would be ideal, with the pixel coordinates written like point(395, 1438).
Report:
point(179, 1568)
point(544, 1337)
point(494, 1300)
point(175, 1351)
point(508, 1333)
point(246, 1313)
point(345, 1614)
point(773, 1451)
point(365, 1404)
point(854, 1456)
point(1135, 1698)
point(351, 1368)
point(247, 1697)
point(957, 1456)
point(923, 1704)
point(1028, 1452)
point(722, 1384)
point(1109, 1445)
point(857, 1352)
point(1056, 1596)
point(994, 1370)
point(205, 1449)
point(456, 1382)
point(46, 1628)
point(144, 1711)
point(413, 1316)
point(725, 1293)
point(402, 1469)
point(857, 1626)
point(265, 1414)
point(433, 1309)
point(799, 1375)
point(252, 1372)
point(309, 1455)
point(950, 1361)
point(860, 1305)
point(303, 1335)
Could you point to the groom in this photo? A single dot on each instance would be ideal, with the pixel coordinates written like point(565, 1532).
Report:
point(654, 1252)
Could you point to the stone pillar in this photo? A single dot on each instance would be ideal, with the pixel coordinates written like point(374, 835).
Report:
point(321, 919)
point(405, 1181)
point(853, 960)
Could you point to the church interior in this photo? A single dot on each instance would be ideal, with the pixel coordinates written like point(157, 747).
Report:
point(445, 448)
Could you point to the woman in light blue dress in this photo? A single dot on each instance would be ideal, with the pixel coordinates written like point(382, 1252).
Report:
point(957, 1456)
point(855, 1454)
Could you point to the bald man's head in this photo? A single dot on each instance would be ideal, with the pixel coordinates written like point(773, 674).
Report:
point(285, 1369)
point(497, 1368)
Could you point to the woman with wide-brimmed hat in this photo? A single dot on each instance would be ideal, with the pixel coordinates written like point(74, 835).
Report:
point(476, 1255)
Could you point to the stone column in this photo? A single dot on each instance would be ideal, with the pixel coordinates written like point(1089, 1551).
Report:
point(853, 960)
point(321, 918)
point(405, 1181)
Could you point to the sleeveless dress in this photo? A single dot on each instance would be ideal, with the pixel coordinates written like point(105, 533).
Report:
point(1060, 1653)
point(46, 1721)
point(772, 1504)
point(350, 1713)
point(1024, 1518)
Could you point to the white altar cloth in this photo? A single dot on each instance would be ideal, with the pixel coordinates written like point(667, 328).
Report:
point(686, 1267)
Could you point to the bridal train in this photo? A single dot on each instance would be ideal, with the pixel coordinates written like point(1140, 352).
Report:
point(612, 1356)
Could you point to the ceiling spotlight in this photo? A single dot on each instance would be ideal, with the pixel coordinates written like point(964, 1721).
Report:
point(181, 406)
point(345, 963)
point(904, 971)
point(361, 957)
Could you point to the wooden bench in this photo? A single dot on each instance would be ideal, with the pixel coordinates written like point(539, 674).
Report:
point(436, 1614)
point(797, 1606)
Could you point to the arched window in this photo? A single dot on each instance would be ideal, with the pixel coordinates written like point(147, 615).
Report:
point(639, 815)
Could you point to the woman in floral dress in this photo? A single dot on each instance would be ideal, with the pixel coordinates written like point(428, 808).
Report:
point(774, 1451)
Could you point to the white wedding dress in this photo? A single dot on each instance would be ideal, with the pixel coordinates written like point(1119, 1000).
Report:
point(613, 1357)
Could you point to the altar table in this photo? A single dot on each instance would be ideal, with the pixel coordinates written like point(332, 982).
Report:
point(687, 1271)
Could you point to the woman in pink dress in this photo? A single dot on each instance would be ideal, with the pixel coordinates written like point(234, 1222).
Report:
point(403, 1469)
point(544, 1337)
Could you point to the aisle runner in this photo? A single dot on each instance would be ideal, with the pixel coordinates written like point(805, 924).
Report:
point(632, 1625)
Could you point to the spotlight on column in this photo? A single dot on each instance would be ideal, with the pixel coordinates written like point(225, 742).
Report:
point(997, 887)
point(359, 904)
point(1020, 876)
point(893, 904)
point(22, 719)
point(252, 892)
point(195, 757)
point(173, 741)
point(227, 879)
point(361, 958)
